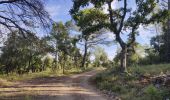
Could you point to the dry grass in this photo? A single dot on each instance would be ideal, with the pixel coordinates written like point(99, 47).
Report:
point(128, 87)
point(5, 83)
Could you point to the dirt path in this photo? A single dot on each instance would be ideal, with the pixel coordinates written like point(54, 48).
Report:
point(73, 87)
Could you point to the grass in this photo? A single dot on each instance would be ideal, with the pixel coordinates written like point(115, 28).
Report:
point(17, 77)
point(151, 69)
point(128, 87)
point(6, 80)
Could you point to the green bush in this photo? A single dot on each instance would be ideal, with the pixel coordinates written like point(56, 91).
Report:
point(152, 93)
point(118, 89)
point(129, 87)
point(150, 69)
point(165, 93)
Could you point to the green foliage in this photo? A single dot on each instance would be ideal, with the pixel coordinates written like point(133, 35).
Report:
point(48, 62)
point(153, 93)
point(101, 59)
point(90, 20)
point(128, 86)
point(165, 93)
point(67, 55)
point(117, 20)
point(152, 57)
point(22, 55)
point(133, 59)
point(150, 69)
point(160, 46)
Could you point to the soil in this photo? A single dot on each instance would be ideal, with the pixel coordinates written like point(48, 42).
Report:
point(74, 87)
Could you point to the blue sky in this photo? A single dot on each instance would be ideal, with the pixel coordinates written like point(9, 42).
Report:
point(59, 11)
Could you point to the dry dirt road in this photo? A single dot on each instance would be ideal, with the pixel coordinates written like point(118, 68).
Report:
point(74, 87)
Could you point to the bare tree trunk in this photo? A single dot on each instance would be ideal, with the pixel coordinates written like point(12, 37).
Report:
point(167, 39)
point(123, 59)
point(64, 63)
point(56, 59)
point(84, 56)
point(63, 67)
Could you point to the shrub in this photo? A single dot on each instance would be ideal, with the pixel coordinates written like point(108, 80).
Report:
point(165, 93)
point(152, 93)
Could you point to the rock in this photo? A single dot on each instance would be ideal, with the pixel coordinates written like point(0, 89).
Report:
point(167, 81)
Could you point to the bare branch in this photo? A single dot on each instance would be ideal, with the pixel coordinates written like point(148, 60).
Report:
point(8, 1)
point(29, 14)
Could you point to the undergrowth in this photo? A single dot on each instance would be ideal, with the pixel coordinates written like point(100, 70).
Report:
point(128, 86)
point(6, 80)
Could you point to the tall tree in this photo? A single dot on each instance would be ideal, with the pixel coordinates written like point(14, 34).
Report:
point(57, 40)
point(161, 43)
point(90, 37)
point(120, 19)
point(101, 57)
point(90, 41)
point(64, 46)
point(167, 38)
point(22, 54)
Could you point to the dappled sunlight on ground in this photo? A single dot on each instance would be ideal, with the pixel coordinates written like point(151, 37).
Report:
point(75, 87)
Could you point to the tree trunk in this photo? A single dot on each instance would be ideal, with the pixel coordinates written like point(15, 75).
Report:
point(29, 60)
point(167, 36)
point(64, 64)
point(167, 39)
point(84, 56)
point(63, 67)
point(123, 59)
point(56, 60)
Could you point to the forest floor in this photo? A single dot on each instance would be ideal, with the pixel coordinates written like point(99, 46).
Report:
point(147, 82)
point(73, 87)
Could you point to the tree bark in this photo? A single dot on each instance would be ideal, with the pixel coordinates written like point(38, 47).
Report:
point(56, 61)
point(167, 39)
point(64, 64)
point(124, 59)
point(167, 36)
point(84, 56)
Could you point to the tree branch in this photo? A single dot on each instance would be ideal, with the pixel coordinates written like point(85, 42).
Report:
point(123, 17)
point(113, 25)
point(8, 1)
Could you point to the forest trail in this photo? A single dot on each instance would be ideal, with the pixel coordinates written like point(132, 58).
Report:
point(74, 87)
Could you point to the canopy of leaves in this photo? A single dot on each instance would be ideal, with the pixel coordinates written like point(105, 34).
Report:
point(91, 20)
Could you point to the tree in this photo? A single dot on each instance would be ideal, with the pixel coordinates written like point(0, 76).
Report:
point(22, 55)
point(167, 37)
point(90, 38)
point(120, 19)
point(158, 46)
point(64, 46)
point(57, 40)
point(101, 58)
point(22, 15)
point(161, 43)
point(90, 41)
